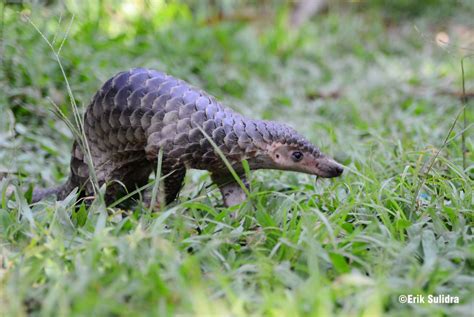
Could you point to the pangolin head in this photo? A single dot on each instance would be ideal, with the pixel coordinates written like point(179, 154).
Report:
point(290, 151)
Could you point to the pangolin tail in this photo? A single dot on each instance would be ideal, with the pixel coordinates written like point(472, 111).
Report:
point(60, 192)
point(78, 177)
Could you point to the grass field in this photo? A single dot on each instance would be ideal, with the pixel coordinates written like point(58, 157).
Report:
point(370, 86)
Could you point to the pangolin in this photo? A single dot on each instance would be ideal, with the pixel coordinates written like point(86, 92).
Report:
point(139, 112)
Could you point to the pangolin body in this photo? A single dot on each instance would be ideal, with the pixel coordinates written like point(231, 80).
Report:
point(138, 112)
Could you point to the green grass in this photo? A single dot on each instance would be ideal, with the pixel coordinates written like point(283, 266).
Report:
point(348, 246)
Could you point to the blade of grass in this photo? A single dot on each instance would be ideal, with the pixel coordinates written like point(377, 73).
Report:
point(433, 160)
point(226, 161)
point(77, 114)
point(156, 186)
point(464, 106)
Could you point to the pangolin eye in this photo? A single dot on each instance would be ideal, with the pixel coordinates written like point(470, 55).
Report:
point(297, 156)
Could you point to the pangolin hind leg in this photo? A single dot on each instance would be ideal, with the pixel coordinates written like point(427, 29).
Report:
point(126, 178)
point(168, 189)
point(173, 182)
point(173, 170)
point(79, 175)
point(122, 173)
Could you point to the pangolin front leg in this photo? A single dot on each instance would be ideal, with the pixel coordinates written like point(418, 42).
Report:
point(232, 192)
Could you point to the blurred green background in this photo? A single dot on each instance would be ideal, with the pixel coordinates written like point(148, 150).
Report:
point(376, 84)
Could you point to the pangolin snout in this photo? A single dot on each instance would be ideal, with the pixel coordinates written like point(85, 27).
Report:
point(337, 170)
point(328, 168)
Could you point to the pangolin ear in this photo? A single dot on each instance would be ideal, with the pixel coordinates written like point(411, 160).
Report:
point(279, 151)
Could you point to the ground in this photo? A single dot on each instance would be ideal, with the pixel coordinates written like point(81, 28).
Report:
point(374, 87)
